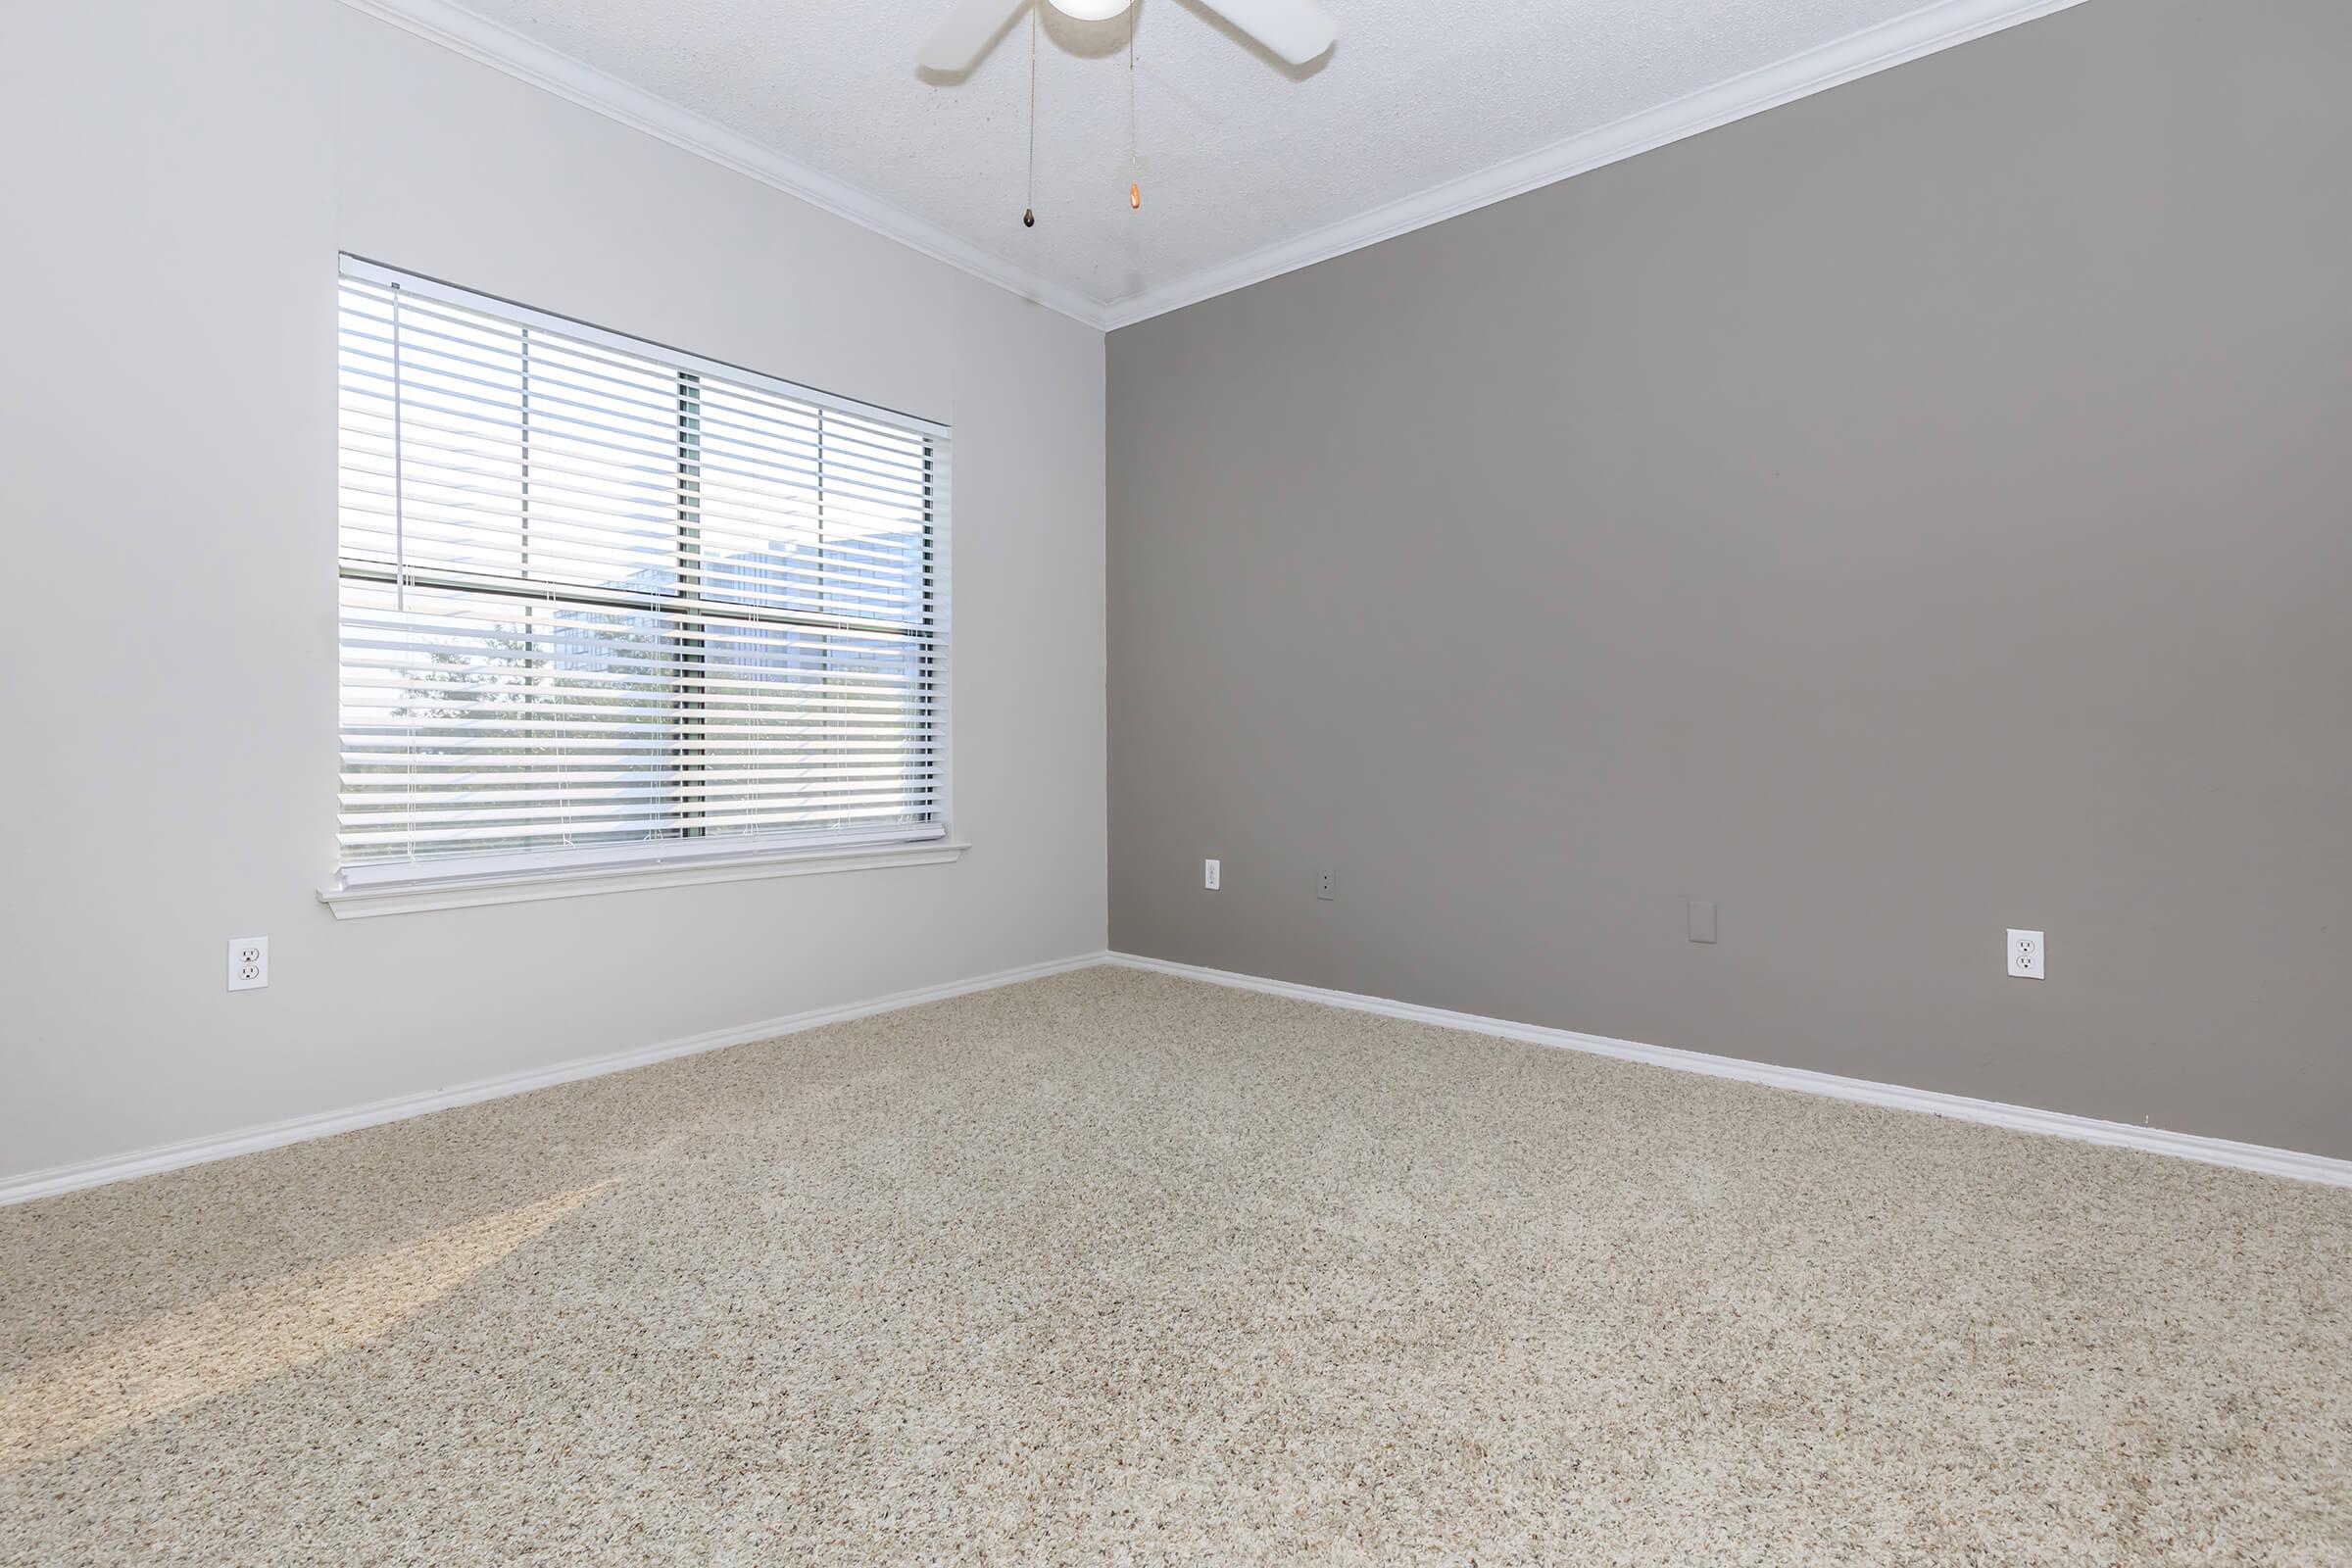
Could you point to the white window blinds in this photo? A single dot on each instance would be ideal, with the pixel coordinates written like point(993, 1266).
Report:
point(603, 601)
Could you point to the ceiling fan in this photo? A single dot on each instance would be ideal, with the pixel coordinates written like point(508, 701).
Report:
point(1298, 31)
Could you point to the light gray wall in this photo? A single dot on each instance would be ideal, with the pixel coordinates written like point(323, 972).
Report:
point(1922, 510)
point(177, 179)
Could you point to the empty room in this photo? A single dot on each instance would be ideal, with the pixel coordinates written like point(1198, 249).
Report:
point(1217, 781)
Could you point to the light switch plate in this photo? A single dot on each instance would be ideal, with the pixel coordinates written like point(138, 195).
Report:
point(1703, 920)
point(1212, 873)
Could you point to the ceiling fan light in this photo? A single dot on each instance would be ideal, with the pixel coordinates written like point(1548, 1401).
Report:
point(1091, 9)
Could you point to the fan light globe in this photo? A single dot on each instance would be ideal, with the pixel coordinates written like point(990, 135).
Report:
point(1295, 31)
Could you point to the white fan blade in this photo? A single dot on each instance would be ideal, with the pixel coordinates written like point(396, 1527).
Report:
point(1299, 30)
point(957, 41)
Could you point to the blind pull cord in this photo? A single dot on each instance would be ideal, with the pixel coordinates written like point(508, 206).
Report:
point(400, 539)
point(400, 500)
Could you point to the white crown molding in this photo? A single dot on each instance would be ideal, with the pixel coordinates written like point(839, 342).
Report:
point(1934, 27)
point(502, 49)
point(198, 1151)
point(1924, 31)
point(2257, 1158)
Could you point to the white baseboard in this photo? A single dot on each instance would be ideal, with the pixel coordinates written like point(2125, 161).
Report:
point(198, 1151)
point(2021, 1118)
point(2152, 1140)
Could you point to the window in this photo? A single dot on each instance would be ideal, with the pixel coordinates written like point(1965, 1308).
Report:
point(604, 604)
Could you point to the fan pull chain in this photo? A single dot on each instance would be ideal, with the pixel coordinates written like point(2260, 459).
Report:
point(1029, 210)
point(1135, 172)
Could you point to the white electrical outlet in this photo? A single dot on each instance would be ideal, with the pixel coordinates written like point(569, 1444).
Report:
point(2027, 952)
point(1213, 872)
point(248, 963)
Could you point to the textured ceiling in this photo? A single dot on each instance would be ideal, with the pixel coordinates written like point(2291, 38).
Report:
point(1237, 151)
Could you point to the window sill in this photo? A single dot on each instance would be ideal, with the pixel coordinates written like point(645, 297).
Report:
point(572, 882)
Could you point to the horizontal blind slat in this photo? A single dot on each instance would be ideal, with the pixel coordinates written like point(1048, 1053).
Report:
point(593, 596)
point(482, 420)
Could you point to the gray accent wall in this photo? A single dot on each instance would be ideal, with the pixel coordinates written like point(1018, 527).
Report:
point(1919, 511)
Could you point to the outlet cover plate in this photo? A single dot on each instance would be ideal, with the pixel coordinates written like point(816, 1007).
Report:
point(2028, 953)
point(1212, 875)
point(248, 963)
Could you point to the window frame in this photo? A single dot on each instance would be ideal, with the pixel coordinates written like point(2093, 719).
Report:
point(396, 885)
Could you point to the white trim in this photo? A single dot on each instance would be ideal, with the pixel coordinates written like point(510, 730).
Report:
point(196, 1151)
point(567, 859)
point(502, 49)
point(2017, 1118)
point(1934, 26)
point(1924, 31)
point(200, 1150)
point(413, 896)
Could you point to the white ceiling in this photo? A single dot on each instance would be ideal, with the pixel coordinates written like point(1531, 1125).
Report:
point(1248, 167)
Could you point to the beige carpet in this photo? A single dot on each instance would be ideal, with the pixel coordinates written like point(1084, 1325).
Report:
point(1118, 1268)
